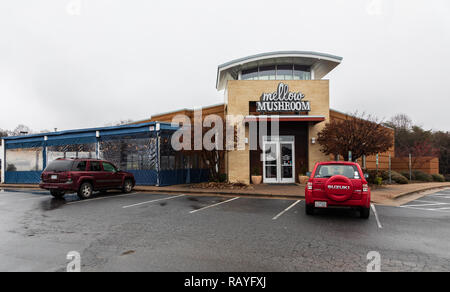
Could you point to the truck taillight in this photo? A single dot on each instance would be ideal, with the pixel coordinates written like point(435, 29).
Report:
point(365, 187)
point(309, 184)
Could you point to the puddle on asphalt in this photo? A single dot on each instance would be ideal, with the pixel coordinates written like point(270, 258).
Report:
point(33, 192)
point(52, 204)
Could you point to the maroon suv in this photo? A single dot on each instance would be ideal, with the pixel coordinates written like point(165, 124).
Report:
point(84, 176)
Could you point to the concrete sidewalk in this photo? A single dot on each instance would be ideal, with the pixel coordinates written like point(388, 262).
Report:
point(393, 195)
point(396, 195)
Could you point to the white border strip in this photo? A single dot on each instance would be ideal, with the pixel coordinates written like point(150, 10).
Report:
point(424, 205)
point(100, 198)
point(376, 215)
point(213, 205)
point(285, 210)
point(157, 200)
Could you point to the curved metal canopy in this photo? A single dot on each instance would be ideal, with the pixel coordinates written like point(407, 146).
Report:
point(321, 63)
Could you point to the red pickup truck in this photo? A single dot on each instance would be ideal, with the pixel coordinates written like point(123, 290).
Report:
point(337, 184)
point(84, 176)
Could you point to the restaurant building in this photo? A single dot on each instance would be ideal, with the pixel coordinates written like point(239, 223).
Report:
point(287, 88)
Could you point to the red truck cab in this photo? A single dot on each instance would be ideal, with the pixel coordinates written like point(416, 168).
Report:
point(337, 184)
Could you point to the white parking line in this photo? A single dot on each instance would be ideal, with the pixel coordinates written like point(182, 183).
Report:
point(424, 205)
point(428, 209)
point(376, 215)
point(101, 198)
point(285, 210)
point(423, 201)
point(440, 196)
point(213, 205)
point(156, 200)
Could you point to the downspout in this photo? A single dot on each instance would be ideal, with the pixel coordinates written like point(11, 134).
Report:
point(158, 154)
point(2, 157)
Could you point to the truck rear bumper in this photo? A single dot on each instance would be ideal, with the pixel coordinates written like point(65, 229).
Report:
point(363, 201)
point(57, 186)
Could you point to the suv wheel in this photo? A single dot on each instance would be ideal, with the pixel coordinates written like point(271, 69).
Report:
point(364, 213)
point(85, 191)
point(309, 209)
point(57, 194)
point(127, 186)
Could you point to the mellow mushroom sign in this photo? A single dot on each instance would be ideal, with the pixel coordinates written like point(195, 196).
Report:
point(283, 100)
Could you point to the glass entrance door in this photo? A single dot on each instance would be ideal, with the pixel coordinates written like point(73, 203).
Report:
point(287, 162)
point(270, 153)
point(278, 159)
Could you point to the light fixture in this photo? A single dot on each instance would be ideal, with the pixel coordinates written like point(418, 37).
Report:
point(313, 140)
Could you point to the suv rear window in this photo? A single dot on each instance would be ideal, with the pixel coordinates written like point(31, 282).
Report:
point(59, 165)
point(329, 170)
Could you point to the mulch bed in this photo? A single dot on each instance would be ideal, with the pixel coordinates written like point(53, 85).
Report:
point(221, 186)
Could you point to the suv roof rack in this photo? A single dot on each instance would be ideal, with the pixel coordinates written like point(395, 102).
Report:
point(73, 158)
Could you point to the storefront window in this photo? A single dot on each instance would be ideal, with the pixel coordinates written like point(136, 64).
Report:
point(130, 153)
point(284, 72)
point(167, 154)
point(71, 151)
point(250, 74)
point(24, 159)
point(279, 72)
point(267, 73)
point(302, 72)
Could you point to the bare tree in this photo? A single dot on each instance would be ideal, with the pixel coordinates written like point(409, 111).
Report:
point(400, 121)
point(360, 134)
point(21, 130)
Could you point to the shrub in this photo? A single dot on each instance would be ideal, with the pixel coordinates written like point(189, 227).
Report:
point(406, 174)
point(378, 180)
point(372, 176)
point(223, 177)
point(447, 177)
point(398, 178)
point(256, 171)
point(422, 176)
point(438, 177)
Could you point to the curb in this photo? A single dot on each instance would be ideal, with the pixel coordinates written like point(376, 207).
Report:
point(19, 187)
point(417, 191)
point(225, 193)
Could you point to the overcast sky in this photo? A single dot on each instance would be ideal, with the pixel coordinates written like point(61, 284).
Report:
point(83, 63)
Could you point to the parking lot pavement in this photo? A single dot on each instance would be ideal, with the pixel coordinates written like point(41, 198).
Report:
point(437, 202)
point(162, 232)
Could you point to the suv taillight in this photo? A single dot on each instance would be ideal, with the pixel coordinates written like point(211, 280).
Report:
point(365, 187)
point(310, 185)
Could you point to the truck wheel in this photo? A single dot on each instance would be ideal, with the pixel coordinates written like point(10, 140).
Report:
point(309, 209)
point(127, 186)
point(85, 191)
point(57, 194)
point(364, 213)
